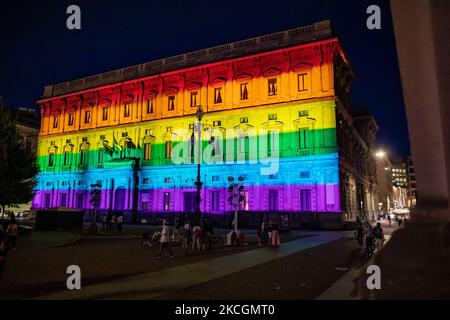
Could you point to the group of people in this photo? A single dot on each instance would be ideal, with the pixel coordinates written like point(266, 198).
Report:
point(269, 233)
point(8, 239)
point(374, 236)
point(198, 237)
point(112, 223)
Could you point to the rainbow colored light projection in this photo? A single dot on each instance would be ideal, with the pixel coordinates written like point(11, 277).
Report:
point(274, 127)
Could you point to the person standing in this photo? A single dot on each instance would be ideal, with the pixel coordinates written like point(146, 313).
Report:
point(176, 229)
point(196, 237)
point(12, 231)
point(165, 239)
point(113, 223)
point(275, 234)
point(378, 235)
point(369, 239)
point(119, 223)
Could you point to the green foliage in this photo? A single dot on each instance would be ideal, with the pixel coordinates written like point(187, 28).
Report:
point(17, 164)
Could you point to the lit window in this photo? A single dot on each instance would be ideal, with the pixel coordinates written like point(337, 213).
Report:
point(71, 119)
point(302, 82)
point(149, 106)
point(194, 99)
point(168, 149)
point(126, 110)
point(244, 91)
point(217, 95)
point(105, 114)
point(171, 103)
point(55, 122)
point(166, 203)
point(147, 151)
point(272, 87)
point(87, 116)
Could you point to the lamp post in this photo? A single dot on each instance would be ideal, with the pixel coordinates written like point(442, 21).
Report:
point(198, 183)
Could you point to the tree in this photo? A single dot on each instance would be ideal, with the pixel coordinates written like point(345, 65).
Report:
point(17, 163)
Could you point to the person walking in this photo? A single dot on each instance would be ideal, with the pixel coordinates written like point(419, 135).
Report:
point(187, 238)
point(275, 234)
point(378, 235)
point(165, 239)
point(12, 231)
point(113, 223)
point(389, 219)
point(119, 222)
point(359, 231)
point(369, 239)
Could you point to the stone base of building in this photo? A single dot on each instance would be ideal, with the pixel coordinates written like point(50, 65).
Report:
point(247, 220)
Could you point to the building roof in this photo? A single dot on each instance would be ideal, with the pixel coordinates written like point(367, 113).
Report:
point(314, 32)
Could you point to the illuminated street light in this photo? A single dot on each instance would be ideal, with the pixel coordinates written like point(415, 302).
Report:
point(380, 154)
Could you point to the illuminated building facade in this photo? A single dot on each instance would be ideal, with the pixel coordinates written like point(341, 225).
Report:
point(270, 115)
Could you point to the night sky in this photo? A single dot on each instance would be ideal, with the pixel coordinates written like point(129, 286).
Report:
point(37, 49)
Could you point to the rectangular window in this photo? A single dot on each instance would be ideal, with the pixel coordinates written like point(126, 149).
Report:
point(304, 175)
point(51, 158)
point(272, 87)
point(244, 120)
point(272, 116)
point(149, 106)
point(147, 151)
point(215, 178)
point(217, 95)
point(66, 158)
point(55, 122)
point(166, 201)
point(244, 91)
point(273, 200)
point(100, 156)
point(169, 129)
point(87, 116)
point(215, 201)
point(217, 123)
point(79, 200)
point(83, 157)
point(194, 98)
point(145, 181)
point(302, 82)
point(167, 180)
point(168, 149)
point(305, 200)
point(70, 121)
point(304, 138)
point(303, 113)
point(63, 200)
point(48, 200)
point(105, 114)
point(126, 110)
point(171, 103)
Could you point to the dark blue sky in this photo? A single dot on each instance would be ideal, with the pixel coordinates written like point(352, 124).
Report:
point(37, 49)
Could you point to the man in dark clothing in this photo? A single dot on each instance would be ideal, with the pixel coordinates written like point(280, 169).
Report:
point(378, 235)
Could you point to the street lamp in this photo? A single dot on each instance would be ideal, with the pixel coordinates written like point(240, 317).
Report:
point(198, 183)
point(380, 154)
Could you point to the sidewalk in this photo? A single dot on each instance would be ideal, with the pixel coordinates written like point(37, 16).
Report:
point(158, 283)
point(346, 288)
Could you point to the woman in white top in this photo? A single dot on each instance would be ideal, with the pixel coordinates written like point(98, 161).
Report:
point(165, 238)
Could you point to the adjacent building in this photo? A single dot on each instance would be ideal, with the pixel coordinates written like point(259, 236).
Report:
point(276, 111)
